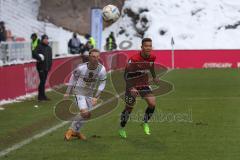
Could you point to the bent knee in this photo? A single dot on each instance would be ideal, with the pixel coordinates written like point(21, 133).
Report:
point(152, 103)
point(129, 108)
point(86, 115)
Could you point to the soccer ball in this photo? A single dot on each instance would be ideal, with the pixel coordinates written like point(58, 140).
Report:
point(110, 13)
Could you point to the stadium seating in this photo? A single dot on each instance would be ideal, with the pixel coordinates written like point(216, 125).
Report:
point(17, 13)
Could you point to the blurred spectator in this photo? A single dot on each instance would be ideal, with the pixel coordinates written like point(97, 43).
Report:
point(91, 40)
point(35, 42)
point(74, 44)
point(9, 36)
point(86, 48)
point(43, 55)
point(85, 51)
point(111, 42)
point(3, 32)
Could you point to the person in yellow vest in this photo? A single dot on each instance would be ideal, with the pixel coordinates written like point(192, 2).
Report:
point(91, 40)
point(111, 42)
point(35, 43)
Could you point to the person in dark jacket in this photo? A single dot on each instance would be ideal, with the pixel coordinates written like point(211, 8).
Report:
point(74, 44)
point(35, 42)
point(3, 32)
point(43, 55)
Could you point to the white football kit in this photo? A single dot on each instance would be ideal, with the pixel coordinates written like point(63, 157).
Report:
point(84, 82)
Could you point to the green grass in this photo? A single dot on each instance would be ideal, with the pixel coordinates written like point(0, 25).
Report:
point(209, 99)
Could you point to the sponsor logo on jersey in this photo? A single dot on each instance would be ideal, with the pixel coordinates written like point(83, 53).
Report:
point(90, 78)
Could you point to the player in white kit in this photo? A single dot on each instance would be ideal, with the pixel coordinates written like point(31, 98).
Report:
point(85, 80)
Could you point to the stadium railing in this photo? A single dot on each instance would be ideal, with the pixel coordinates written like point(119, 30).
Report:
point(20, 51)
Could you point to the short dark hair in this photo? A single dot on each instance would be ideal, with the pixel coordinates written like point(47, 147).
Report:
point(2, 23)
point(87, 36)
point(44, 37)
point(93, 50)
point(146, 40)
point(34, 35)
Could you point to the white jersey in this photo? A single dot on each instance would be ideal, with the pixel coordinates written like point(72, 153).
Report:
point(84, 80)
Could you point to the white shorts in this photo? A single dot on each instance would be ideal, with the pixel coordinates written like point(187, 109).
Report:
point(84, 102)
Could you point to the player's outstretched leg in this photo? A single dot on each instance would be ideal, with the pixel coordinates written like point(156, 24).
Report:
point(124, 118)
point(74, 130)
point(151, 100)
point(69, 134)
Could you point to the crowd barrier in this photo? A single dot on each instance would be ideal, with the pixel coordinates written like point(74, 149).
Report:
point(21, 79)
point(20, 51)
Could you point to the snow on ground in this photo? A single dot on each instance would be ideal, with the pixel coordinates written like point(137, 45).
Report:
point(20, 16)
point(20, 98)
point(194, 24)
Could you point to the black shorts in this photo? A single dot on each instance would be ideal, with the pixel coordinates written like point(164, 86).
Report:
point(143, 91)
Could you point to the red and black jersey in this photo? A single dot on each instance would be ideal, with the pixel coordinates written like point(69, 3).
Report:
point(137, 69)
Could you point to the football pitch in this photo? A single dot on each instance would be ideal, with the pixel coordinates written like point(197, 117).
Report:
point(198, 120)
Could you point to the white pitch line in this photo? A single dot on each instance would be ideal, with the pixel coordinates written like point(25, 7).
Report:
point(27, 141)
point(37, 136)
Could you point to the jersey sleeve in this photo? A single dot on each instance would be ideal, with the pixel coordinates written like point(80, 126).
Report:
point(154, 58)
point(103, 74)
point(127, 68)
point(75, 75)
point(102, 81)
point(131, 60)
point(73, 80)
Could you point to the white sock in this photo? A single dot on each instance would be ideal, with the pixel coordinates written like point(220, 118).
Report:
point(77, 124)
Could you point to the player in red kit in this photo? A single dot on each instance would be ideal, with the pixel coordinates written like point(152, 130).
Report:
point(137, 84)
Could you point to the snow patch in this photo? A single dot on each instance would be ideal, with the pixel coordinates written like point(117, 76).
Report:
point(194, 24)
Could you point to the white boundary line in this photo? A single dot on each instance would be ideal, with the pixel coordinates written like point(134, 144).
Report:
point(37, 136)
point(27, 141)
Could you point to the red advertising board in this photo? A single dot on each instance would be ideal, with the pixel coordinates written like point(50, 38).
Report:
point(20, 79)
